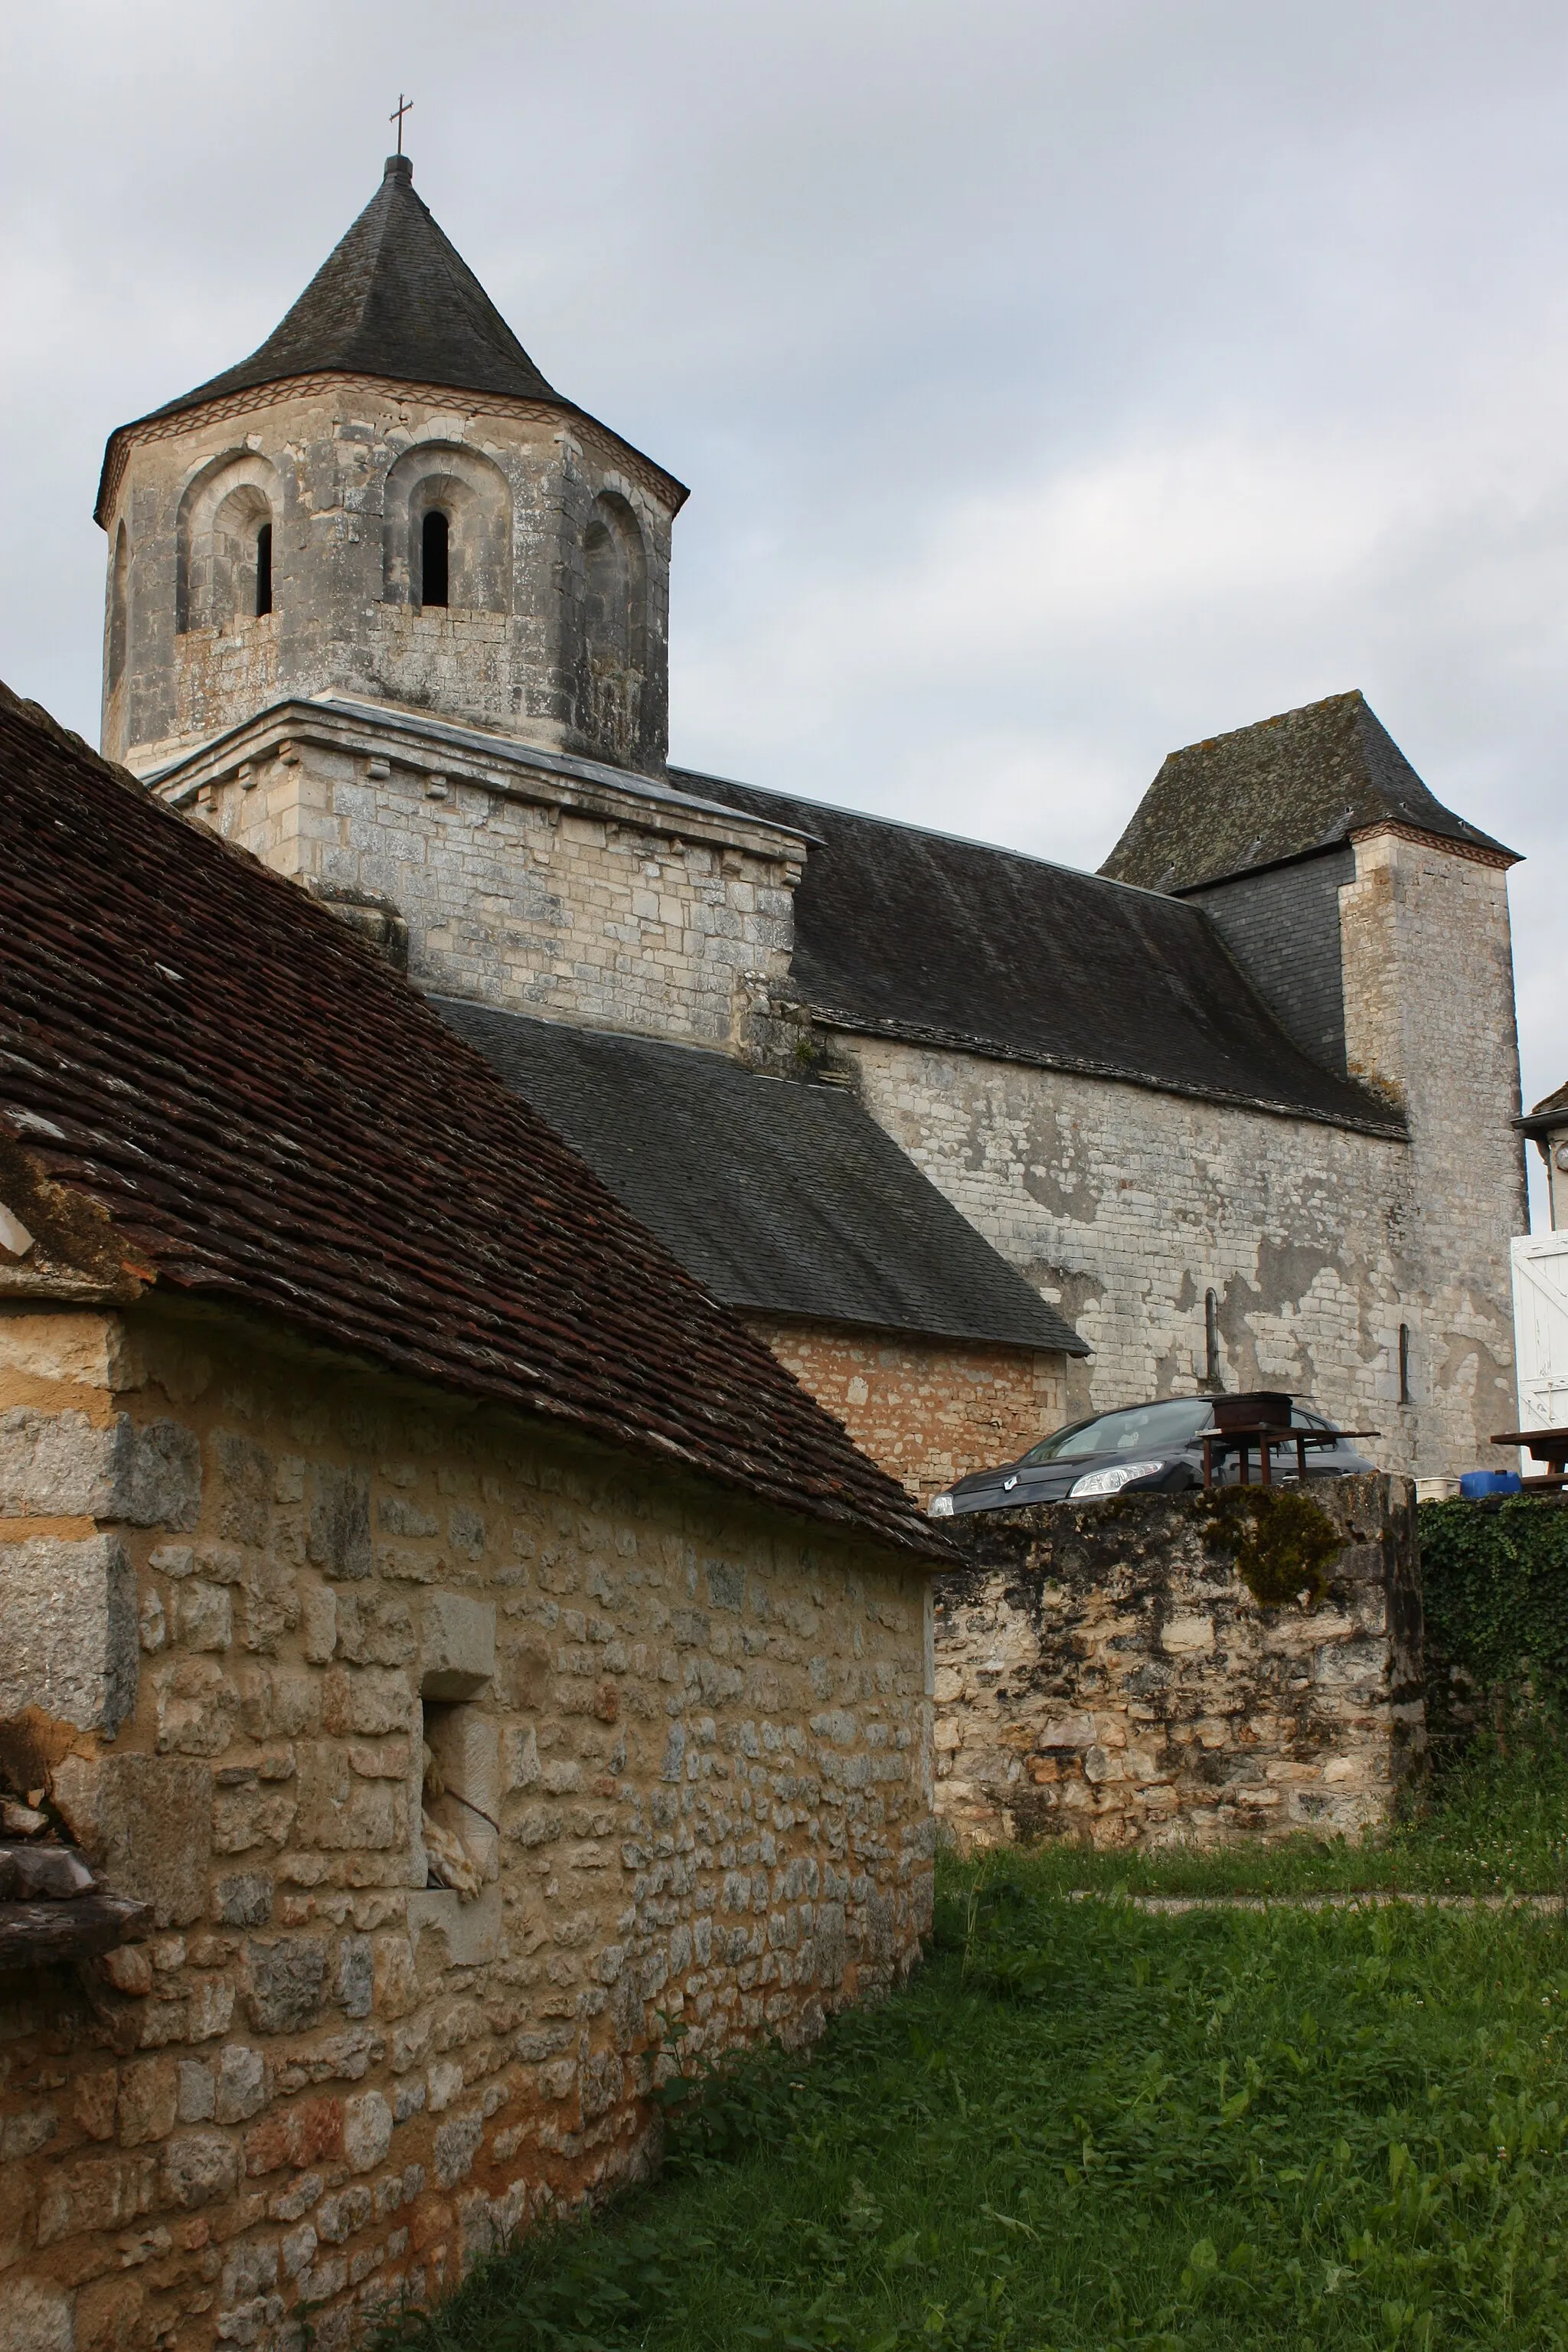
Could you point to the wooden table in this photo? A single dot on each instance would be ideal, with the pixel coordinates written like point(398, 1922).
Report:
point(1265, 1435)
point(1548, 1446)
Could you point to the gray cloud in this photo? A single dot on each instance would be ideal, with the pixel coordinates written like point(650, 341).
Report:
point(1057, 383)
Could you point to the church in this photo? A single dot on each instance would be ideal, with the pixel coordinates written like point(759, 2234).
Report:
point(972, 1140)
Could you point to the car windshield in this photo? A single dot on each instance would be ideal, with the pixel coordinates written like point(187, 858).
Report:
point(1141, 1429)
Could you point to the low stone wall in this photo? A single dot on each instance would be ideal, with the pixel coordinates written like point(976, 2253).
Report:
point(1106, 1671)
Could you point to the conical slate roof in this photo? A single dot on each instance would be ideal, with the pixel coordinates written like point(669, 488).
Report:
point(394, 299)
point(1288, 786)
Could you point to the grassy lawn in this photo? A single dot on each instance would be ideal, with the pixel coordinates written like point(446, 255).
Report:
point(1083, 2124)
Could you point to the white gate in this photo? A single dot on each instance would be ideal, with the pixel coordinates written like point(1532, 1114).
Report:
point(1540, 1329)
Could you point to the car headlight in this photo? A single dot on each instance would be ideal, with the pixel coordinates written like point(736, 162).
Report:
point(940, 1507)
point(1111, 1481)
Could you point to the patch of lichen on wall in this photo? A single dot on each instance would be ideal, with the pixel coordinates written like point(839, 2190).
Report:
point(1280, 1542)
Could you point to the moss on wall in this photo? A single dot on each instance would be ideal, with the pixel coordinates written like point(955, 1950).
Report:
point(1281, 1540)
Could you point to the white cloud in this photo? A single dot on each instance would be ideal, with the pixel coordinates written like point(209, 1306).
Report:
point(1057, 383)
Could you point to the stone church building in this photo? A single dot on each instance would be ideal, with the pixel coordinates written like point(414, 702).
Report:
point(972, 1140)
point(445, 1658)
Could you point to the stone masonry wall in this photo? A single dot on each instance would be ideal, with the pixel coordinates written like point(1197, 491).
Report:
point(517, 889)
point(240, 1584)
point(336, 463)
point(1125, 1206)
point(1429, 1020)
point(928, 1411)
point(1104, 1674)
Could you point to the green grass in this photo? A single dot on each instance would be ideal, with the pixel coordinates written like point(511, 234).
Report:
point(1086, 2126)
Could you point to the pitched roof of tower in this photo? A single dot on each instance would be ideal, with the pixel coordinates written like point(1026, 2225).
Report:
point(394, 299)
point(206, 1081)
point(780, 1198)
point(1305, 781)
point(908, 934)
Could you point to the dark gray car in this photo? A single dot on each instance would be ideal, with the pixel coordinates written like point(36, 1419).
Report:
point(1150, 1447)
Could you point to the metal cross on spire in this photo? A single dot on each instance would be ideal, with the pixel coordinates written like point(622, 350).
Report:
point(404, 106)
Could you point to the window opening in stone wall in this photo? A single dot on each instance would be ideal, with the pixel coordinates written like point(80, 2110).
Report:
point(1404, 1363)
point(264, 571)
point(458, 1796)
point(1211, 1336)
point(435, 541)
point(119, 607)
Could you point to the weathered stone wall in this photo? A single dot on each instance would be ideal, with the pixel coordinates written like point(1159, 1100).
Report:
point(1125, 1206)
point(522, 888)
point(928, 1411)
point(339, 463)
point(1429, 1020)
point(239, 1583)
point(1104, 1673)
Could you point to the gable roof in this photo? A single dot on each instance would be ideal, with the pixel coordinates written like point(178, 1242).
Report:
point(910, 934)
point(1305, 781)
point(779, 1197)
point(244, 1102)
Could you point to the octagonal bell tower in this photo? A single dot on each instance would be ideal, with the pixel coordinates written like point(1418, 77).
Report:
point(386, 503)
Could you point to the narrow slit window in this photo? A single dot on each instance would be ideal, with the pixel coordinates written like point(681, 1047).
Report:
point(1404, 1363)
point(264, 569)
point(433, 554)
point(1211, 1336)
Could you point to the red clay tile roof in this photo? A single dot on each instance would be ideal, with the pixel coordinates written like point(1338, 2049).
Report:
point(270, 1115)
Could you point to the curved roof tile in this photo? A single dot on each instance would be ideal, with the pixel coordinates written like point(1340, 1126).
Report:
point(265, 1113)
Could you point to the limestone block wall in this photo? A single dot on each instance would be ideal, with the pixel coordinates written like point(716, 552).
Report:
point(1126, 1206)
point(342, 465)
point(1429, 1021)
point(928, 1411)
point(684, 1741)
point(518, 888)
point(1103, 1673)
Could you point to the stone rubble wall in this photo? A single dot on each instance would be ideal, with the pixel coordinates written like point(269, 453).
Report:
point(929, 1411)
point(1103, 1674)
point(239, 1581)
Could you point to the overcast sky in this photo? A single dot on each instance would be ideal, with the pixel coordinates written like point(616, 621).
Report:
point(1057, 383)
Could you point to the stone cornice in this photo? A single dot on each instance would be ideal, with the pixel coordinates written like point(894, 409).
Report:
point(1475, 853)
point(494, 763)
point(165, 425)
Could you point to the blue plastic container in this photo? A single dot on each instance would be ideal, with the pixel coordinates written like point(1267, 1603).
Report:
point(1476, 1485)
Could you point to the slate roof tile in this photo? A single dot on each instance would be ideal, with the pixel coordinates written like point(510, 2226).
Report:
point(1302, 781)
point(266, 1114)
point(911, 934)
point(394, 299)
point(780, 1197)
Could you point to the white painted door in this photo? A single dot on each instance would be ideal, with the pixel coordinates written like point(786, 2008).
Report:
point(1540, 1329)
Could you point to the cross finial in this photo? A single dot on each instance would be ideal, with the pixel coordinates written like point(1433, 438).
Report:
point(404, 106)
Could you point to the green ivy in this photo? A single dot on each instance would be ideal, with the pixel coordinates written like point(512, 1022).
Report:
point(1495, 1580)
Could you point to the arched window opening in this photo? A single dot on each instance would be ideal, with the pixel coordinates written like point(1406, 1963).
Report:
point(264, 571)
point(435, 545)
point(119, 607)
point(606, 612)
